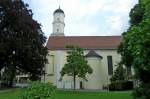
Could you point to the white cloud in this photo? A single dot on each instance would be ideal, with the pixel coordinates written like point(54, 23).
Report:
point(82, 14)
point(116, 23)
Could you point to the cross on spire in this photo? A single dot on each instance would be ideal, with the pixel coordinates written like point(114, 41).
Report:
point(59, 4)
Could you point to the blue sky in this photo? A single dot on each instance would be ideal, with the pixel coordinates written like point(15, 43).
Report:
point(84, 17)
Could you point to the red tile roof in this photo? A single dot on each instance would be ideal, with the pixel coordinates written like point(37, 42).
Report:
point(86, 42)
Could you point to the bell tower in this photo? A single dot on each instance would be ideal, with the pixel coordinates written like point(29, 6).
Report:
point(58, 23)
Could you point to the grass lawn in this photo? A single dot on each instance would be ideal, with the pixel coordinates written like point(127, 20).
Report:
point(94, 95)
point(10, 94)
point(14, 94)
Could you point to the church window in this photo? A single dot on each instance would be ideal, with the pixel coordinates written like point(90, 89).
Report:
point(110, 65)
point(50, 68)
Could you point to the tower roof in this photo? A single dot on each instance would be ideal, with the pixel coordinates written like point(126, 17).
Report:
point(59, 11)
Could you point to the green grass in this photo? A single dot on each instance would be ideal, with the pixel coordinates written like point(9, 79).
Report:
point(10, 94)
point(94, 95)
point(14, 94)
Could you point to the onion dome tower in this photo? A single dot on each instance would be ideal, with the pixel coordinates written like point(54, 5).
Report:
point(58, 23)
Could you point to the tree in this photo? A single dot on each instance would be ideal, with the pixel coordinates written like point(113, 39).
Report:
point(76, 65)
point(136, 16)
point(126, 57)
point(21, 39)
point(119, 74)
point(119, 79)
point(137, 42)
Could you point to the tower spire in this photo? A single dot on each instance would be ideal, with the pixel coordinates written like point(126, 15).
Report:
point(59, 4)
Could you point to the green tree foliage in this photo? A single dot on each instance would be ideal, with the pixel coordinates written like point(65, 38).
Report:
point(119, 74)
point(21, 39)
point(136, 14)
point(76, 65)
point(126, 58)
point(137, 42)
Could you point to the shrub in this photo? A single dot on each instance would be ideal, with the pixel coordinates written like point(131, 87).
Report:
point(142, 92)
point(122, 85)
point(38, 90)
point(119, 74)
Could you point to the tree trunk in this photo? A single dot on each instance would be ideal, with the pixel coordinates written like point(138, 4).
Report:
point(10, 83)
point(12, 76)
point(74, 80)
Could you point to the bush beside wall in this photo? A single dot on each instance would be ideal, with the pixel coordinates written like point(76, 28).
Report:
point(121, 86)
point(38, 90)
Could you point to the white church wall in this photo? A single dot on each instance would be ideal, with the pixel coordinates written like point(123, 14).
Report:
point(94, 79)
point(105, 78)
point(50, 65)
point(100, 67)
point(115, 58)
point(59, 64)
point(68, 82)
point(50, 69)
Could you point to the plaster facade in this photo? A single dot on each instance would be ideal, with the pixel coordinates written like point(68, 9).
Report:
point(97, 80)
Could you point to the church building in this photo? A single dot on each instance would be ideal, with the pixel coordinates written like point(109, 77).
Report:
point(100, 52)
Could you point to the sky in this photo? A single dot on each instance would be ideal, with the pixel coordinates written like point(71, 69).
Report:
point(84, 17)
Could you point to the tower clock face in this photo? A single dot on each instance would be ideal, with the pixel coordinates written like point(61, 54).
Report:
point(57, 30)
